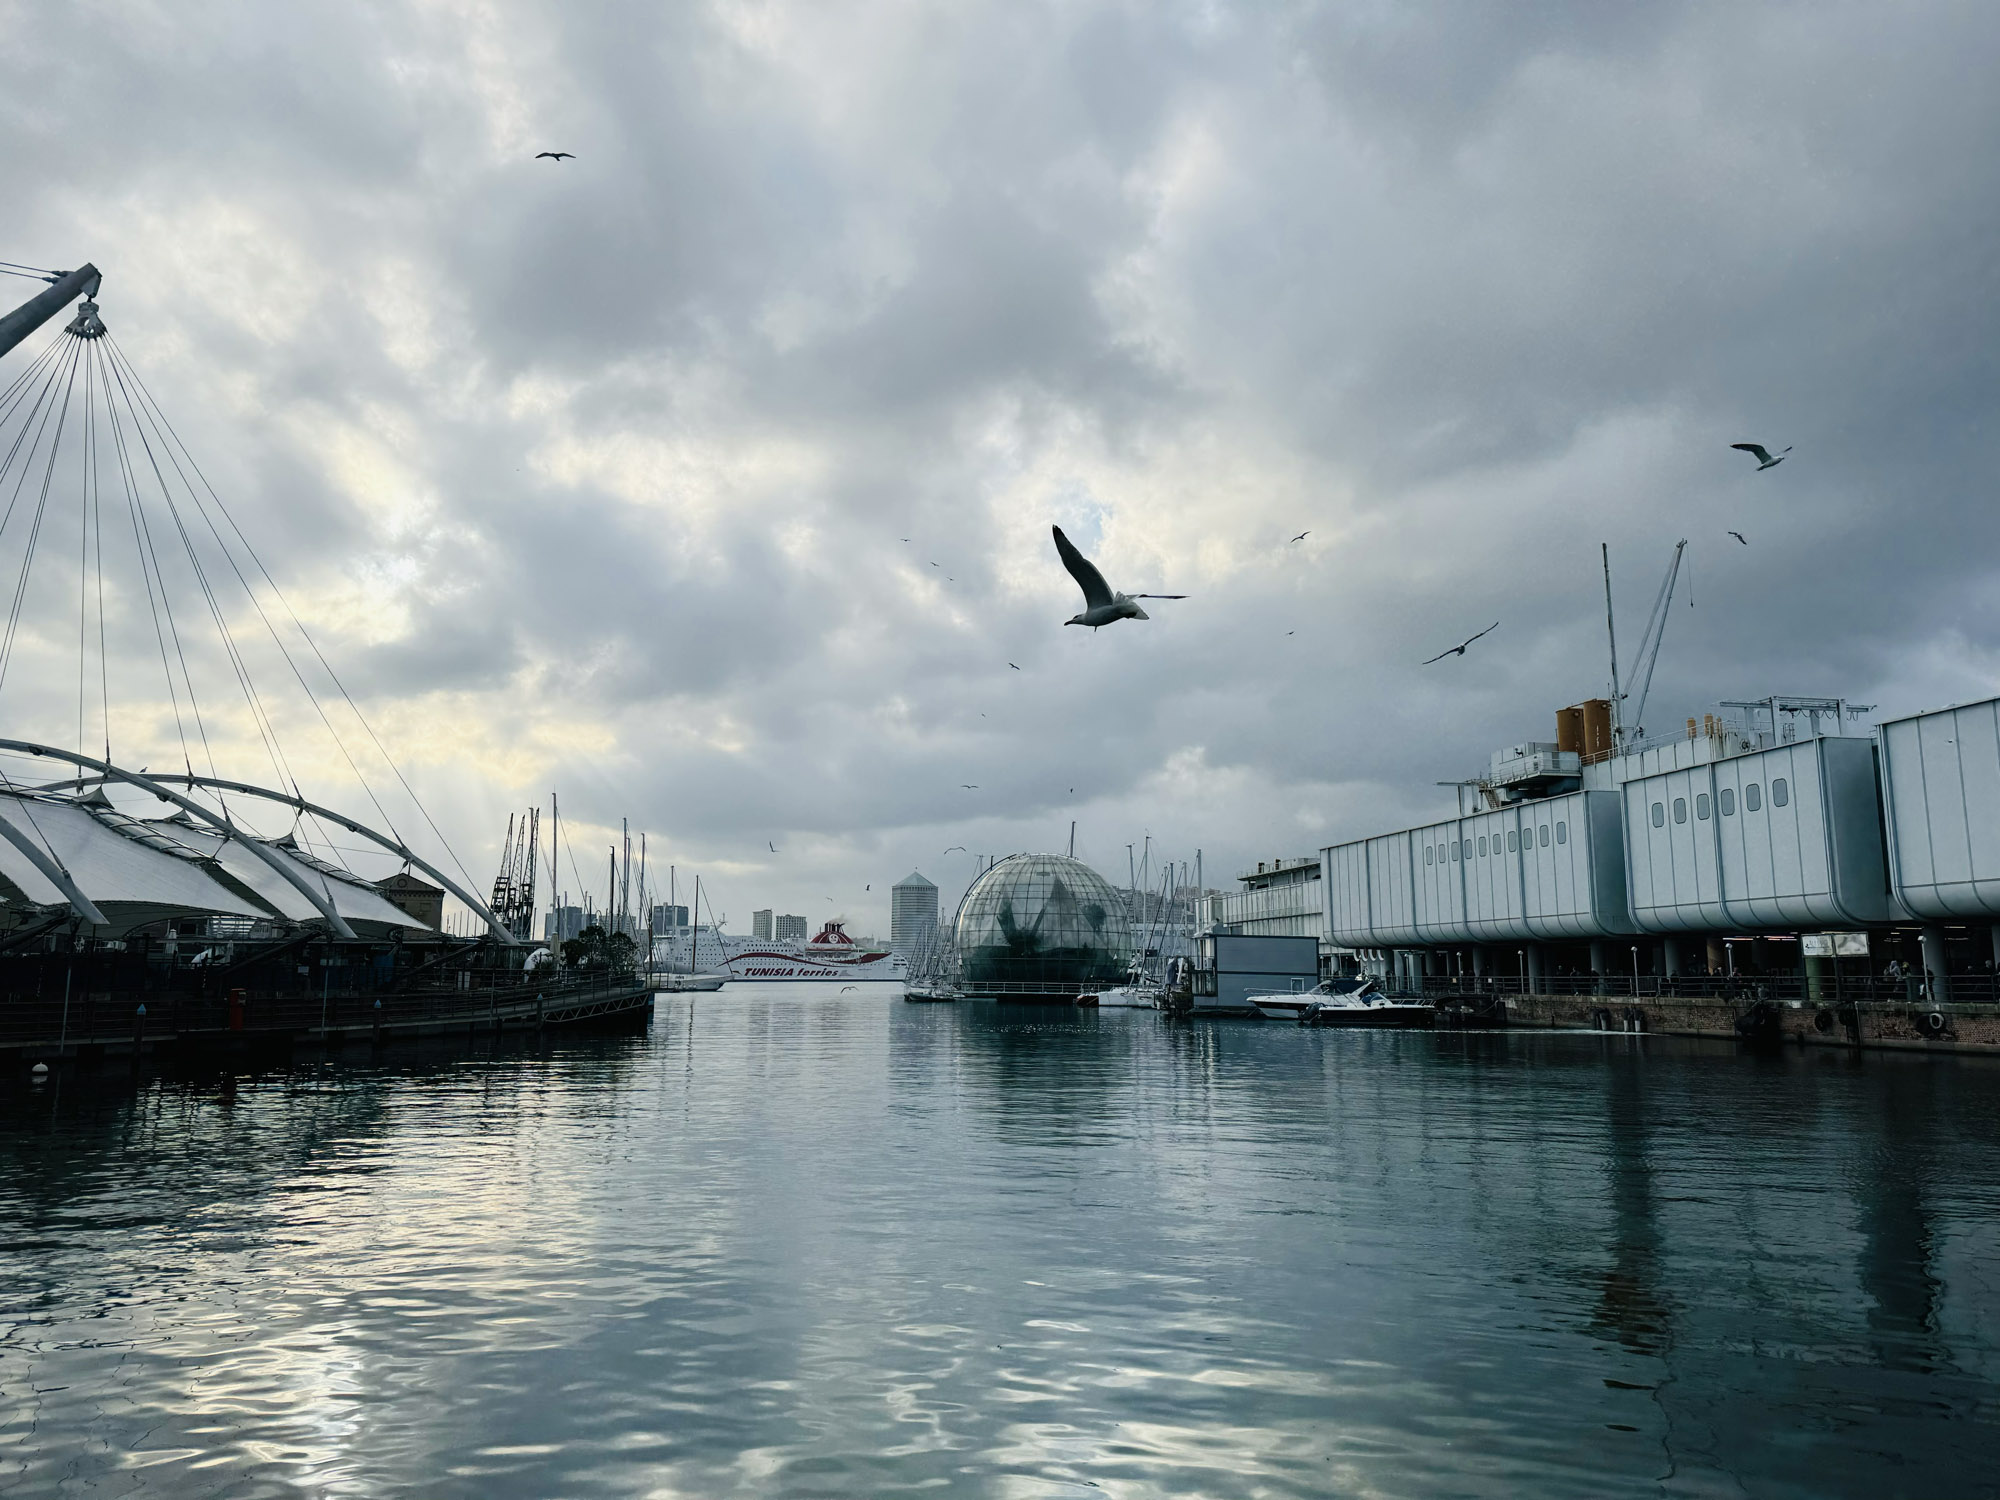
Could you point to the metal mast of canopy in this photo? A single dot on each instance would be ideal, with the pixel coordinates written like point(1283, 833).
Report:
point(134, 433)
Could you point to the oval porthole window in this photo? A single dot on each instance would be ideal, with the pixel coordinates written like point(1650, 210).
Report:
point(1659, 815)
point(1482, 846)
point(1727, 796)
point(1430, 854)
point(1454, 851)
point(1513, 842)
point(1545, 835)
point(1701, 806)
point(1562, 832)
point(1780, 792)
point(1680, 809)
point(1752, 798)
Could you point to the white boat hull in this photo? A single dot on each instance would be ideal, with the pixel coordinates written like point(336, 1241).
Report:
point(744, 960)
point(1124, 996)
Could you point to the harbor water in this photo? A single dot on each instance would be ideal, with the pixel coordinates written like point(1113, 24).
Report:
point(794, 1243)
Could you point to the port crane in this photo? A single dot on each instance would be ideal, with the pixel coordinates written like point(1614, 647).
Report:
point(1648, 655)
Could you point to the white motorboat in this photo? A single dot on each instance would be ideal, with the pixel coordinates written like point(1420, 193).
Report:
point(1339, 1002)
point(1136, 996)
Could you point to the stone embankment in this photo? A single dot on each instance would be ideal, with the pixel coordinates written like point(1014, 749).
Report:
point(1920, 1027)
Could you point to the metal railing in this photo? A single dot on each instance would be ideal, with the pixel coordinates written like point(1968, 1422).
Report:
point(1740, 989)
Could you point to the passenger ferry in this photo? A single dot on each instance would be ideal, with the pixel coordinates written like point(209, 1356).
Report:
point(831, 955)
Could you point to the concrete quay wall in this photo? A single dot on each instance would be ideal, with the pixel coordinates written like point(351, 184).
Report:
point(1972, 1029)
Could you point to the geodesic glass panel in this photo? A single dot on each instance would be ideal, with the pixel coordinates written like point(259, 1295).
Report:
point(1042, 920)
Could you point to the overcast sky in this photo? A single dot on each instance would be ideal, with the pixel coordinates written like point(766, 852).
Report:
point(597, 475)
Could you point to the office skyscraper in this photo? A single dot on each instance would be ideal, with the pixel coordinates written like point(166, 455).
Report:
point(913, 911)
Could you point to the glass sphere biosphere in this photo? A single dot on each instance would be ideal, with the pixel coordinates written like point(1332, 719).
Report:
point(1044, 922)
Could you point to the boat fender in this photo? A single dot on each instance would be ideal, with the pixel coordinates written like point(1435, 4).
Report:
point(1933, 1024)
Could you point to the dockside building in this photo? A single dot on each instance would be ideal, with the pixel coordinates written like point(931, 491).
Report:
point(1768, 837)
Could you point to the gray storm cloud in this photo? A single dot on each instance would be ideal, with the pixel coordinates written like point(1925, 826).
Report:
point(595, 475)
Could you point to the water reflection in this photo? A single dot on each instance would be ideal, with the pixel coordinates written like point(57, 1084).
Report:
point(799, 1244)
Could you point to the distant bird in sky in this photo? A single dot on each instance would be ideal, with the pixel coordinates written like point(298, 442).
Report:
point(1459, 649)
point(955, 849)
point(1762, 454)
point(969, 786)
point(868, 888)
point(1012, 665)
point(1741, 537)
point(556, 155)
point(771, 846)
point(934, 565)
point(1101, 605)
point(1291, 632)
point(1299, 538)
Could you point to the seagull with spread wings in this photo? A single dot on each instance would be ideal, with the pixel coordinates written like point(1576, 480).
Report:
point(556, 155)
point(1762, 454)
point(1101, 605)
point(1299, 538)
point(1741, 537)
point(1459, 649)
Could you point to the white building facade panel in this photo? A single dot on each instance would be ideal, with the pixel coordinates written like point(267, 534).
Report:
point(1782, 838)
point(1545, 869)
point(1941, 776)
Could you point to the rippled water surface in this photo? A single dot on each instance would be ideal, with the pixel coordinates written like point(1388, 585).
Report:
point(792, 1243)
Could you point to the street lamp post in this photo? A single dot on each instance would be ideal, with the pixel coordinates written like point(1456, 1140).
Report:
point(1635, 971)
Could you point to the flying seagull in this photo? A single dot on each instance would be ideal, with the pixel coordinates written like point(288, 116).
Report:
point(954, 849)
point(1299, 538)
point(1012, 665)
point(1762, 454)
point(969, 786)
point(556, 155)
point(771, 846)
point(1741, 537)
point(1459, 649)
point(1101, 606)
